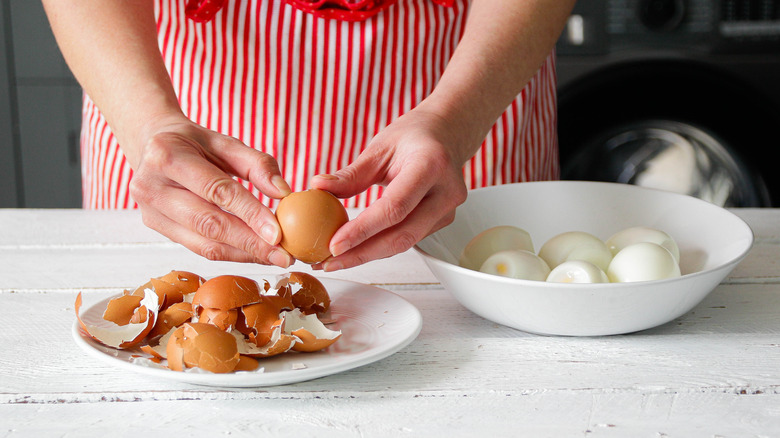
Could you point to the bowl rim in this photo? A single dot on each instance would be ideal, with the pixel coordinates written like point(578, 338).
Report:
point(523, 282)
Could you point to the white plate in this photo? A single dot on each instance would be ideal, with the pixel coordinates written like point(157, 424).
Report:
point(375, 324)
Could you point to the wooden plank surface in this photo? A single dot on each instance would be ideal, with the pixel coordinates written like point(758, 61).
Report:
point(712, 372)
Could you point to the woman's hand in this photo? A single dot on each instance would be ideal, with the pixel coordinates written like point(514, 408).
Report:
point(183, 173)
point(184, 186)
point(418, 158)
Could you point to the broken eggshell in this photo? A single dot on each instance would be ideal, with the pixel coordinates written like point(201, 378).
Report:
point(313, 334)
point(260, 321)
point(204, 346)
point(278, 343)
point(122, 336)
point(173, 316)
point(306, 291)
point(217, 301)
point(257, 320)
point(172, 287)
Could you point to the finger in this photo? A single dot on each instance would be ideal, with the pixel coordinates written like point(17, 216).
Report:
point(194, 242)
point(397, 239)
point(211, 183)
point(257, 167)
point(189, 212)
point(352, 179)
point(398, 200)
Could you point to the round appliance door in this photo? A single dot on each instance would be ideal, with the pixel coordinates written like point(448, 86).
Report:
point(669, 155)
point(678, 126)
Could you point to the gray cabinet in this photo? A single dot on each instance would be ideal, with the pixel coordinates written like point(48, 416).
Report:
point(40, 113)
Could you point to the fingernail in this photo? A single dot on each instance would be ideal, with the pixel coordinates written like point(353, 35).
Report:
point(280, 258)
point(332, 265)
point(281, 185)
point(338, 248)
point(327, 176)
point(270, 234)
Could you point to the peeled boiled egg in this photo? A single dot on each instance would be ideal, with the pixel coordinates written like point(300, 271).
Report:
point(516, 263)
point(575, 245)
point(491, 241)
point(309, 219)
point(637, 234)
point(643, 261)
point(577, 271)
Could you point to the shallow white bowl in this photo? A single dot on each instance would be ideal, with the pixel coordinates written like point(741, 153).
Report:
point(712, 242)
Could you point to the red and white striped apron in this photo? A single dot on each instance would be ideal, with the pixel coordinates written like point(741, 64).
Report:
point(312, 90)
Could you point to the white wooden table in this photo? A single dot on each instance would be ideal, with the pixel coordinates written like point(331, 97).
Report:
point(714, 372)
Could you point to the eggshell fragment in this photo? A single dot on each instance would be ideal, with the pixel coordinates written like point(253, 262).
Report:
point(307, 292)
point(246, 363)
point(278, 343)
point(217, 300)
point(491, 241)
point(173, 316)
point(313, 334)
point(122, 336)
point(186, 282)
point(227, 292)
point(122, 309)
point(224, 319)
point(258, 320)
point(171, 287)
point(308, 220)
point(204, 346)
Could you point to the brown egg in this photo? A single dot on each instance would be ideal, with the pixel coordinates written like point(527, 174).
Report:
point(204, 346)
point(308, 293)
point(309, 219)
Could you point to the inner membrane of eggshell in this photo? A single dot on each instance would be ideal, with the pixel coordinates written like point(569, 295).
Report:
point(121, 336)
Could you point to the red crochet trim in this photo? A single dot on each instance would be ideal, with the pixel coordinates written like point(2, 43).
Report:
point(204, 10)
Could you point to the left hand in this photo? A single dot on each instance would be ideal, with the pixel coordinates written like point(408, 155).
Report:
point(419, 160)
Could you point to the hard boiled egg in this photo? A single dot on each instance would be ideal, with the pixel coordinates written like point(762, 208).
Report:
point(309, 219)
point(516, 263)
point(577, 271)
point(491, 241)
point(637, 234)
point(575, 245)
point(643, 261)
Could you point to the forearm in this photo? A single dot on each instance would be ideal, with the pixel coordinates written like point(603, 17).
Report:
point(504, 44)
point(111, 48)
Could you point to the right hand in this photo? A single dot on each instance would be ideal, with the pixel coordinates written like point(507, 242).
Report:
point(183, 183)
